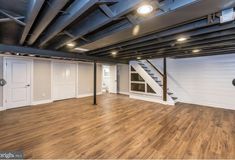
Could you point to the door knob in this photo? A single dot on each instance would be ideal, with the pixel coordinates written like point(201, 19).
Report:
point(2, 82)
point(28, 85)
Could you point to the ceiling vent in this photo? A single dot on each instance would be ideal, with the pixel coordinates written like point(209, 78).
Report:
point(227, 15)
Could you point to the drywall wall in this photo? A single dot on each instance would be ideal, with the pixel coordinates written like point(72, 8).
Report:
point(1, 76)
point(86, 77)
point(202, 80)
point(41, 80)
point(123, 78)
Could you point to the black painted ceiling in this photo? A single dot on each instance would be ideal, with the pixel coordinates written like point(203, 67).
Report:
point(105, 26)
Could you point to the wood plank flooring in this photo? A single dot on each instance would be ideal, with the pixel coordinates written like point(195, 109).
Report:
point(118, 127)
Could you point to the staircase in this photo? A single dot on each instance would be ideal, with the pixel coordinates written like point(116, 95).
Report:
point(153, 77)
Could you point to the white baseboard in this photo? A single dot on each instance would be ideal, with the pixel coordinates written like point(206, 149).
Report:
point(208, 105)
point(41, 102)
point(87, 95)
point(125, 93)
point(150, 99)
point(2, 108)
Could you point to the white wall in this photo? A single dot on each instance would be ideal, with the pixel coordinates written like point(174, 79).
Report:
point(41, 80)
point(123, 78)
point(86, 77)
point(203, 80)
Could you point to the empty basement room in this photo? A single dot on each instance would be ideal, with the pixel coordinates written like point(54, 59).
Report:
point(117, 79)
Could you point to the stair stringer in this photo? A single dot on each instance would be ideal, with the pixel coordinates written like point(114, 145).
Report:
point(151, 82)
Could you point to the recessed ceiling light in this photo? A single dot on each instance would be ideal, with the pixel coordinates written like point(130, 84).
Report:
point(114, 52)
point(196, 50)
point(81, 49)
point(145, 9)
point(182, 39)
point(138, 57)
point(71, 44)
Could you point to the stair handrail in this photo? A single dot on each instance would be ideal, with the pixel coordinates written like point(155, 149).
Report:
point(155, 68)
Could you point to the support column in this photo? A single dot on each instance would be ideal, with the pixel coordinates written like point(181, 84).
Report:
point(95, 77)
point(164, 79)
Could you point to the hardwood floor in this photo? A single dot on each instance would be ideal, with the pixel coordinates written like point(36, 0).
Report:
point(118, 127)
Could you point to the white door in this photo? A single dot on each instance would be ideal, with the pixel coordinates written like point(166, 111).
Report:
point(113, 79)
point(17, 91)
point(64, 80)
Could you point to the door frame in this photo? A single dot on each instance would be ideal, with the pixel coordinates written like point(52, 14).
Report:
point(5, 107)
point(116, 78)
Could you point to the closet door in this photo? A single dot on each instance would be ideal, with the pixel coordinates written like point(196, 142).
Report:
point(64, 80)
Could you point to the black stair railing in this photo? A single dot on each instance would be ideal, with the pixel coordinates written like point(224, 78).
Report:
point(164, 77)
point(155, 68)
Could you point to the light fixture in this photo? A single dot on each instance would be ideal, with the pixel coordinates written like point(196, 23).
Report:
point(114, 53)
point(181, 39)
point(81, 49)
point(196, 50)
point(71, 44)
point(138, 57)
point(145, 9)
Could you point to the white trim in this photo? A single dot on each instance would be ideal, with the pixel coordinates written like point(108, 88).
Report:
point(207, 105)
point(52, 80)
point(125, 93)
point(4, 87)
point(87, 95)
point(42, 102)
point(31, 83)
point(2, 108)
point(150, 99)
point(77, 78)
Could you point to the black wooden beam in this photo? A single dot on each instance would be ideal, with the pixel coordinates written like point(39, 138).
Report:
point(52, 53)
point(164, 79)
point(154, 36)
point(95, 78)
point(167, 48)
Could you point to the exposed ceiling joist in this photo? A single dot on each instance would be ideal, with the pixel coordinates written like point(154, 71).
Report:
point(153, 37)
point(75, 10)
point(52, 9)
point(200, 7)
point(216, 45)
point(96, 20)
point(210, 53)
point(170, 42)
point(107, 10)
point(34, 8)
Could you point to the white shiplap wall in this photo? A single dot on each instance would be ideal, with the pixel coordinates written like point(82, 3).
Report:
point(203, 80)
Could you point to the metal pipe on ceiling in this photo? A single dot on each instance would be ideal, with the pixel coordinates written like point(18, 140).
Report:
point(49, 13)
point(34, 8)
